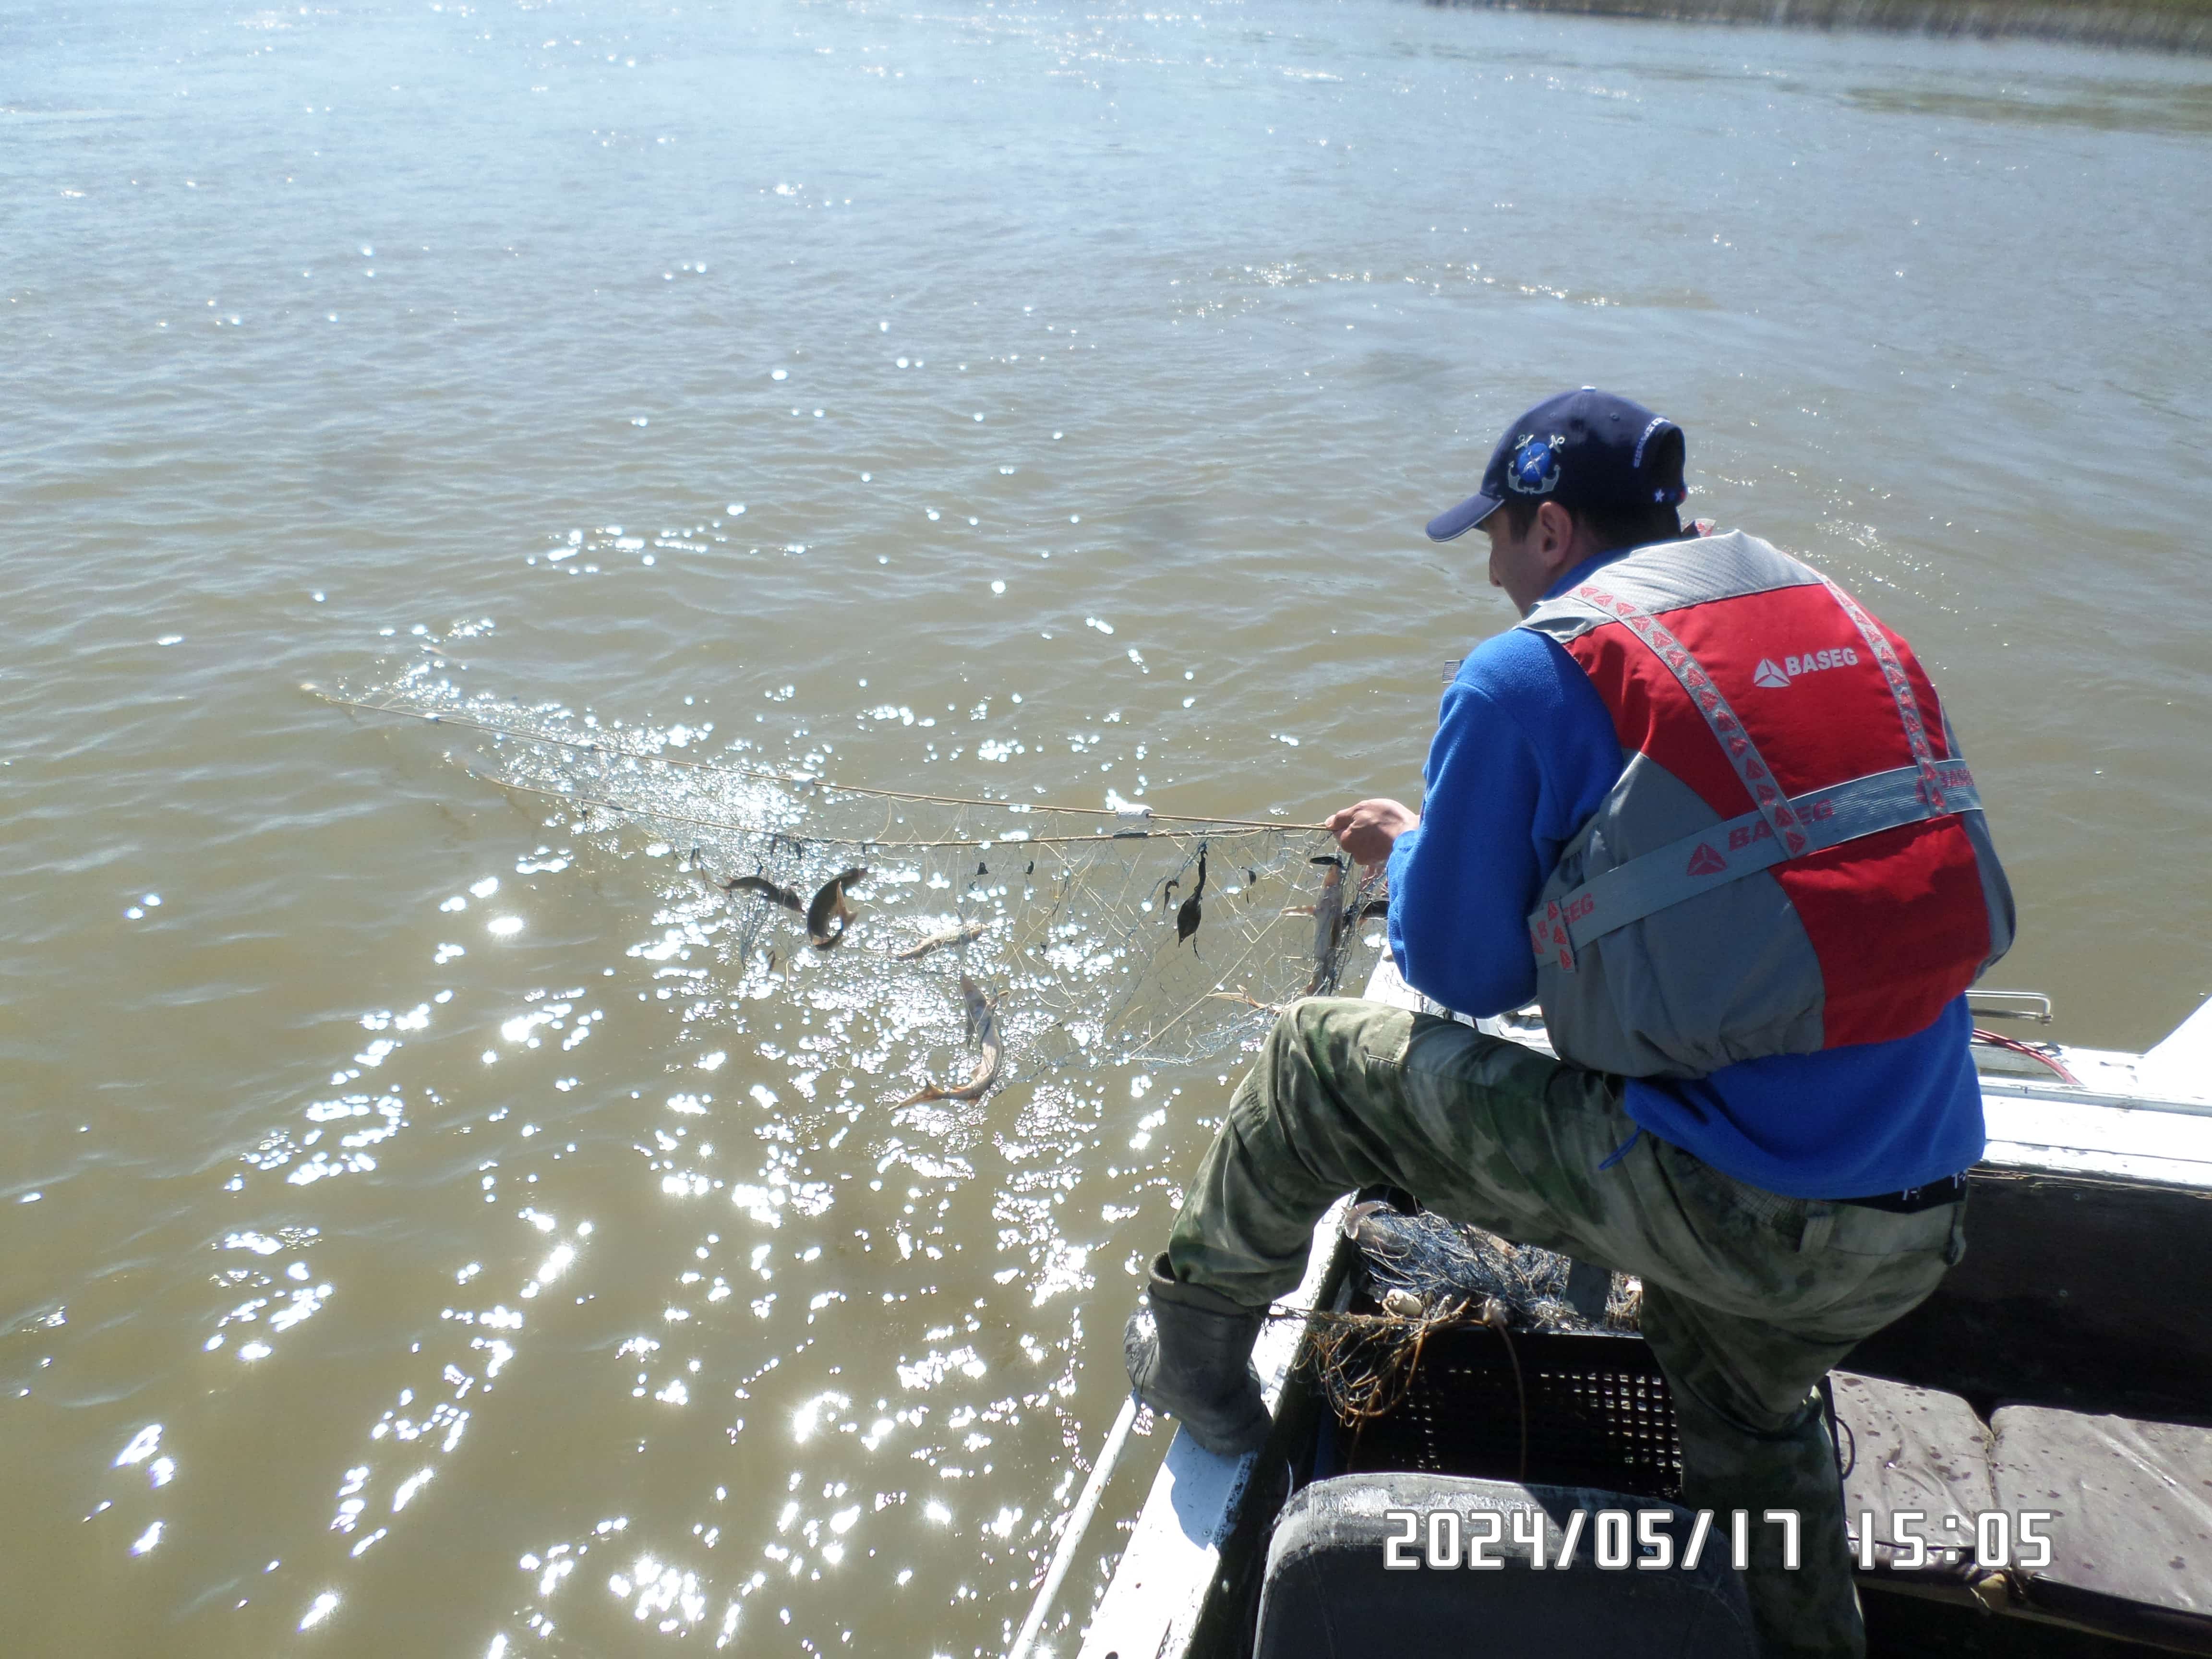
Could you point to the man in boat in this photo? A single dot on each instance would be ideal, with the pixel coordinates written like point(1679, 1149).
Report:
point(1707, 810)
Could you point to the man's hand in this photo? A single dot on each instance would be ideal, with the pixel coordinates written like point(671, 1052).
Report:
point(1368, 829)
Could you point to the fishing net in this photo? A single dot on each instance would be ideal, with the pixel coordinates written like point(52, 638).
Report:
point(1431, 1260)
point(1424, 1274)
point(1089, 935)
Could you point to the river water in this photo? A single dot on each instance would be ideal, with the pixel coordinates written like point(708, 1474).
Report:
point(345, 1289)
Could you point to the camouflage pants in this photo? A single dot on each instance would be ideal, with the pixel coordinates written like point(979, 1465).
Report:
point(1749, 1297)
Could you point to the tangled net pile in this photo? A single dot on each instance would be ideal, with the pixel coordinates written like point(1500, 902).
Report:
point(1427, 1273)
point(1433, 1261)
point(1093, 936)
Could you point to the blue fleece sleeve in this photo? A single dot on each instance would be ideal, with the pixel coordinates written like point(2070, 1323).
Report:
point(1524, 752)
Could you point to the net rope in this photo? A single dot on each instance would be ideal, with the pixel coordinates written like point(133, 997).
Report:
point(1426, 1274)
point(1093, 936)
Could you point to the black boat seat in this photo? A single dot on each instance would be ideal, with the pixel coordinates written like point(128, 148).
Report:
point(2132, 1526)
point(1327, 1595)
point(1907, 1449)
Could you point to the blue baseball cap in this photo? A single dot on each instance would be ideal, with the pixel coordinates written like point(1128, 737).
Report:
point(1586, 448)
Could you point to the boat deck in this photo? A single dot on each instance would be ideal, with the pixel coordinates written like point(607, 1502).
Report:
point(2076, 1210)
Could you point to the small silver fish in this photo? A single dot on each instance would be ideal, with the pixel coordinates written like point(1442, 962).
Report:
point(830, 905)
point(767, 889)
point(959, 935)
point(1188, 917)
point(983, 1028)
point(1329, 932)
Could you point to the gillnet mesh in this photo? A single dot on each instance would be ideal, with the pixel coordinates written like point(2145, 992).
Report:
point(1424, 1260)
point(1426, 1274)
point(1089, 936)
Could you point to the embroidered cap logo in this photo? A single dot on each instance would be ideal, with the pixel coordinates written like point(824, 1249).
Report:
point(1534, 469)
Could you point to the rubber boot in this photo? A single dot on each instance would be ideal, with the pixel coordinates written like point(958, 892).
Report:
point(1189, 1350)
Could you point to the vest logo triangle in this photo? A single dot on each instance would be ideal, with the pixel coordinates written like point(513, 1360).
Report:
point(1706, 862)
point(1769, 673)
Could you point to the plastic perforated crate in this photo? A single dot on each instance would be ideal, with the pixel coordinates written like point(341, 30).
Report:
point(1599, 1415)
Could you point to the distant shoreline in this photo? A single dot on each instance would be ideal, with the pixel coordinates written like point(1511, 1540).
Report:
point(2175, 26)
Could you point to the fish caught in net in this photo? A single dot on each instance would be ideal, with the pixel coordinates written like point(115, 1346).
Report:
point(954, 944)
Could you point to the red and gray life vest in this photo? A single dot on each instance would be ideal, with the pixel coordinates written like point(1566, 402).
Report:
point(1795, 857)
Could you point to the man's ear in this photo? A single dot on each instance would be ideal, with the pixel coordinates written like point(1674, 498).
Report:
point(1555, 534)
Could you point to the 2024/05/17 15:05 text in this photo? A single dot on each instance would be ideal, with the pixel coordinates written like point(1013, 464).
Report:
point(1644, 1540)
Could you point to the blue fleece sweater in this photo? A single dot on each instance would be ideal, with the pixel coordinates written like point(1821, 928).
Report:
point(1524, 752)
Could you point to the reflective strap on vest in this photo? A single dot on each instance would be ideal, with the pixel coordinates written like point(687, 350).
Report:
point(1750, 769)
point(1741, 846)
point(1901, 689)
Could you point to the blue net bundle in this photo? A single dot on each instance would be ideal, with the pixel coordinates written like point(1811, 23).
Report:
point(1437, 1263)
